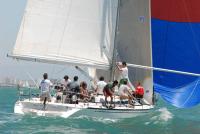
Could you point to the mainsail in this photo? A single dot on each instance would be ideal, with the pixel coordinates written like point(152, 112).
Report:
point(73, 32)
point(176, 46)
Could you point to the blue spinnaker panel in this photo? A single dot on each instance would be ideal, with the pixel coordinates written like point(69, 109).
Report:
point(182, 97)
point(176, 45)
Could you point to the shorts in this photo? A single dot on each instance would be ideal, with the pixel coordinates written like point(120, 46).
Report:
point(124, 94)
point(137, 95)
point(107, 92)
point(45, 94)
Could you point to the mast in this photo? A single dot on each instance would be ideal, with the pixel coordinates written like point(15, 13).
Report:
point(153, 92)
point(114, 57)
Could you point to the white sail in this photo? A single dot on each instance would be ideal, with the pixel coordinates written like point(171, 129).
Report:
point(134, 41)
point(56, 31)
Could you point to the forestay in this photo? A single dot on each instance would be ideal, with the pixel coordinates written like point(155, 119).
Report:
point(56, 30)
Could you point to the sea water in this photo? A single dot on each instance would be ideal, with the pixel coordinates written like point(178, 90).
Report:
point(164, 119)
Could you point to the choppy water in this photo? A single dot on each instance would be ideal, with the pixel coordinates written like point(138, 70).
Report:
point(164, 119)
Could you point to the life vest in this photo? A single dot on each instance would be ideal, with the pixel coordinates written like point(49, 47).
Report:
point(139, 90)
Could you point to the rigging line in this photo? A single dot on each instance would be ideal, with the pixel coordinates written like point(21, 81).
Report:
point(84, 73)
point(54, 72)
point(65, 26)
point(29, 75)
point(162, 70)
point(58, 73)
point(190, 94)
point(114, 53)
point(61, 70)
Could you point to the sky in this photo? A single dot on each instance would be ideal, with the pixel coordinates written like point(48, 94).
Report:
point(11, 13)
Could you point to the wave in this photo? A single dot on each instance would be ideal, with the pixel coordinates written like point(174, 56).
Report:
point(163, 117)
point(8, 117)
point(54, 129)
point(95, 119)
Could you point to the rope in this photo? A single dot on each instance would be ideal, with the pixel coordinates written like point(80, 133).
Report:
point(84, 72)
point(29, 75)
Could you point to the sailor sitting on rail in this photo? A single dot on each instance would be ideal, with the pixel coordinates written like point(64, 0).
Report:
point(84, 95)
point(62, 89)
point(139, 91)
point(74, 88)
point(65, 81)
point(124, 92)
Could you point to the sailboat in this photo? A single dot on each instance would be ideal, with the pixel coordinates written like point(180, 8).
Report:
point(144, 33)
point(94, 34)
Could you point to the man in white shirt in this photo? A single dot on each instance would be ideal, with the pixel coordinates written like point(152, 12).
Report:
point(45, 86)
point(123, 69)
point(100, 85)
point(65, 81)
point(124, 74)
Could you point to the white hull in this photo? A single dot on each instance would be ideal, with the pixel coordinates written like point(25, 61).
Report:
point(34, 106)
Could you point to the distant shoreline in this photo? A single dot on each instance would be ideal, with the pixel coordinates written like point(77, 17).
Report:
point(15, 87)
point(7, 86)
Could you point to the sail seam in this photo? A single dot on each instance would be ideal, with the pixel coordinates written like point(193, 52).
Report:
point(64, 29)
point(190, 94)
